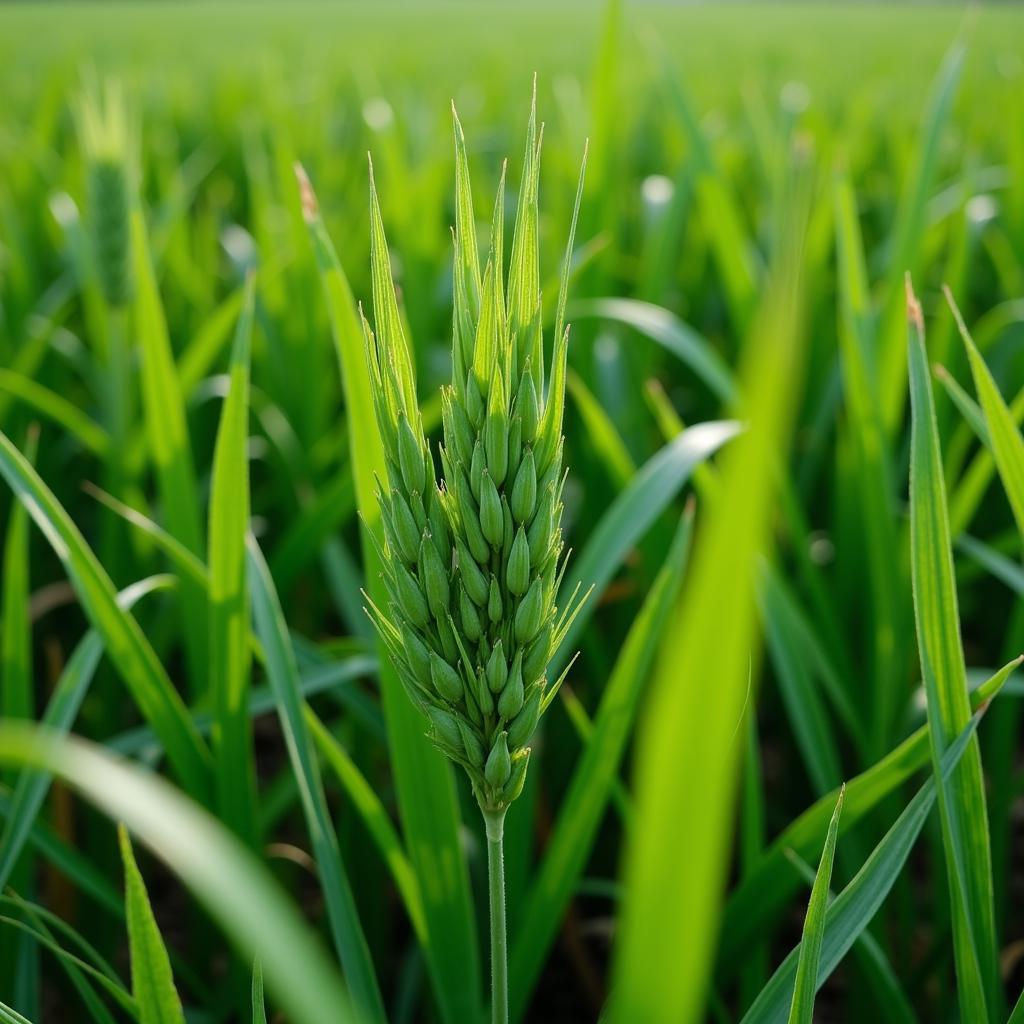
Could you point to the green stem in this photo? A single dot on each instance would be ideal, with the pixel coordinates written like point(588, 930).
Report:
point(495, 824)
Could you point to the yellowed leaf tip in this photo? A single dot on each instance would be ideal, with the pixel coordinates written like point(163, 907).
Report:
point(310, 207)
point(914, 314)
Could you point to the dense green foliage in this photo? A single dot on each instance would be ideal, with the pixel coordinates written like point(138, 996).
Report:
point(802, 520)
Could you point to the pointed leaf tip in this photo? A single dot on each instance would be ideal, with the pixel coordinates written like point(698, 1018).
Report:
point(310, 206)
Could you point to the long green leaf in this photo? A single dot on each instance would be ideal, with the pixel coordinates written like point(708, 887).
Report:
point(806, 984)
point(962, 804)
point(169, 445)
point(580, 812)
point(229, 881)
point(424, 780)
point(375, 818)
point(19, 956)
point(229, 609)
point(259, 1008)
point(152, 979)
point(687, 754)
point(283, 673)
point(65, 414)
point(874, 489)
point(9, 1016)
point(794, 671)
point(852, 910)
point(903, 252)
point(61, 711)
point(763, 894)
point(131, 652)
point(1007, 444)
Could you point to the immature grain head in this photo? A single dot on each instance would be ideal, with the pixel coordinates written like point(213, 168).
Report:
point(105, 140)
point(473, 563)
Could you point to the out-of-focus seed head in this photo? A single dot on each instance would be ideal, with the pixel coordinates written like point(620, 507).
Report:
point(106, 140)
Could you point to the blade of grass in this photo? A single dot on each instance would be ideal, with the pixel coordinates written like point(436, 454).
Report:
point(169, 446)
point(229, 881)
point(663, 327)
point(905, 244)
point(676, 853)
point(9, 1016)
point(228, 599)
point(19, 956)
point(79, 978)
point(610, 449)
point(89, 434)
point(152, 979)
point(962, 804)
point(131, 652)
point(346, 929)
point(797, 686)
point(1007, 444)
point(61, 710)
point(805, 985)
point(68, 960)
point(259, 1008)
point(375, 818)
point(656, 483)
point(852, 910)
point(875, 492)
point(581, 811)
point(424, 780)
point(763, 895)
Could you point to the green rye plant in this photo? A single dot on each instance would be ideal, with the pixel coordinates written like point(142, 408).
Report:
point(473, 561)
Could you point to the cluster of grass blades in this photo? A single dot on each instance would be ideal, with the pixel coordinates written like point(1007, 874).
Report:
point(769, 755)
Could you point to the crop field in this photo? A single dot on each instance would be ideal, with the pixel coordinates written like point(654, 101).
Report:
point(511, 512)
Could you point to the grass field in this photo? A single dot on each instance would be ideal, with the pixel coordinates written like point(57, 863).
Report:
point(794, 482)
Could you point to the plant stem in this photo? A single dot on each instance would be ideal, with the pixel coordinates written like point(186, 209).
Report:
point(495, 824)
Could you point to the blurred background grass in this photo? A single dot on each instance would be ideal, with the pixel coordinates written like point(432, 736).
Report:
point(226, 96)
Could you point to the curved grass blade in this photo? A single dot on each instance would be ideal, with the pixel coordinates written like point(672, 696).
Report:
point(1007, 444)
point(962, 804)
point(131, 652)
point(185, 563)
point(580, 813)
point(89, 434)
point(228, 880)
point(70, 962)
point(806, 984)
point(762, 896)
point(852, 910)
point(228, 598)
point(283, 674)
point(9, 1016)
point(79, 976)
point(665, 328)
point(656, 483)
point(61, 711)
point(152, 979)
